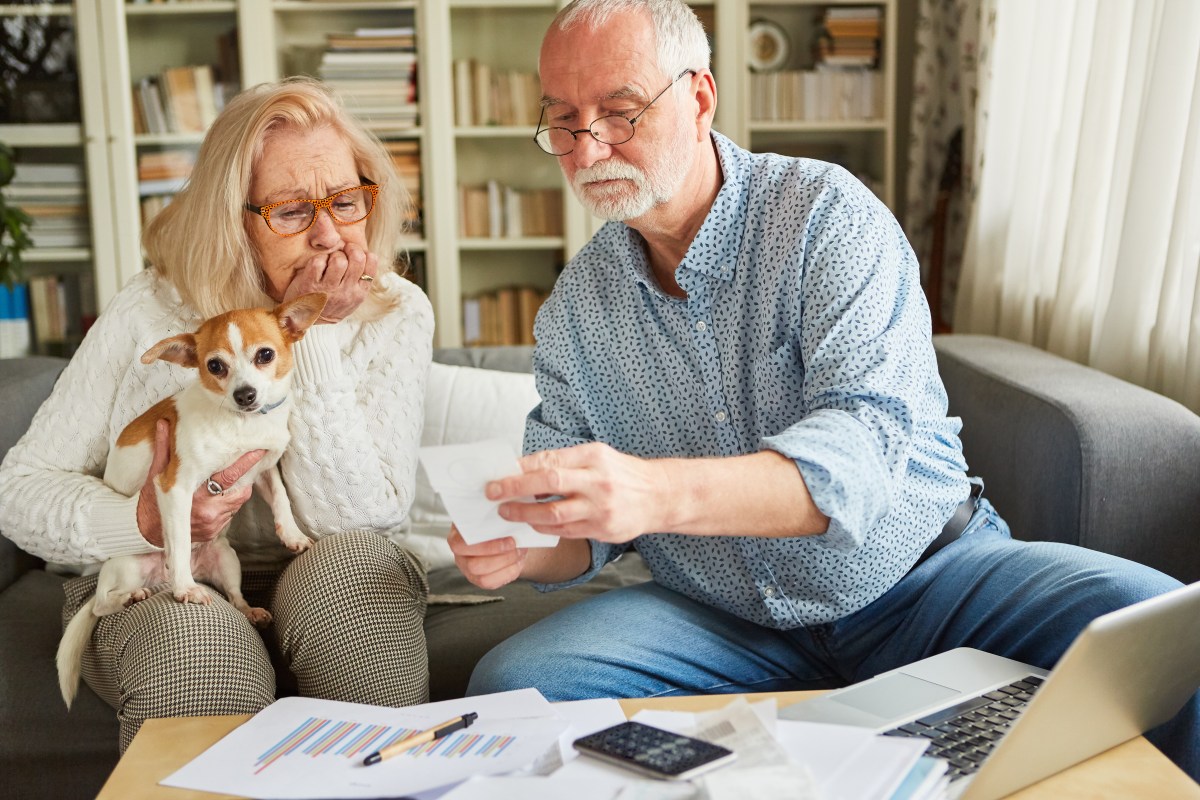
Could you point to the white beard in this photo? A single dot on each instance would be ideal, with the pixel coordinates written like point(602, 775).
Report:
point(652, 187)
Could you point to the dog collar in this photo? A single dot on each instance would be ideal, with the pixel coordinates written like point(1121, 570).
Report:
point(272, 407)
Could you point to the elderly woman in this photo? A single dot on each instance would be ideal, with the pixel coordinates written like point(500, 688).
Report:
point(289, 195)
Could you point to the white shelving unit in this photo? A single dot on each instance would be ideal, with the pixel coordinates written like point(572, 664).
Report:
point(79, 141)
point(120, 42)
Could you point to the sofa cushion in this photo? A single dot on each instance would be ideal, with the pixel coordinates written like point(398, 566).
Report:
point(462, 405)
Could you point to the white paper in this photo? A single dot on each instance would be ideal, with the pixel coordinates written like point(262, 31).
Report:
point(527, 787)
point(305, 748)
point(459, 473)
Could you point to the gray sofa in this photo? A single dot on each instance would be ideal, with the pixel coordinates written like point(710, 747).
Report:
point(1068, 454)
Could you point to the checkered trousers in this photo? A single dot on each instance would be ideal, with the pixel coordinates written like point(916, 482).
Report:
point(348, 617)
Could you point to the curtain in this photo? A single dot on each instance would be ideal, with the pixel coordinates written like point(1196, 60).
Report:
point(1084, 228)
point(945, 63)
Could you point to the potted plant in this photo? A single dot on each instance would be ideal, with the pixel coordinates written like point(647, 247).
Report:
point(14, 225)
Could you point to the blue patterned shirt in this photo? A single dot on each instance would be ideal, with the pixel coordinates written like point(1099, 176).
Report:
point(804, 331)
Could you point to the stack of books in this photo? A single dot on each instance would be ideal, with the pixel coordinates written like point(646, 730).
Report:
point(406, 156)
point(498, 211)
point(160, 175)
point(374, 70)
point(501, 317)
point(55, 197)
point(851, 37)
point(483, 96)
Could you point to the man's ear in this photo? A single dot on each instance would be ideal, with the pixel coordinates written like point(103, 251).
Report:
point(297, 315)
point(179, 350)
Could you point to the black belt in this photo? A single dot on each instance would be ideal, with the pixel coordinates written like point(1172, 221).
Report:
point(957, 524)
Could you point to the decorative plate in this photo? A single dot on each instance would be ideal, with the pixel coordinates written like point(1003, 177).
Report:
point(768, 46)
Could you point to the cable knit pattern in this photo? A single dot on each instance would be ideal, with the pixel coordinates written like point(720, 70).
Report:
point(358, 392)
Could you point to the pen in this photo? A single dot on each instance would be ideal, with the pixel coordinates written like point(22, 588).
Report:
point(436, 732)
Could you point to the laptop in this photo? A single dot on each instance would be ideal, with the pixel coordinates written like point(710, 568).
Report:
point(1003, 725)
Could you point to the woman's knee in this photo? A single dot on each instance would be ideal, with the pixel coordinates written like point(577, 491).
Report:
point(169, 659)
point(349, 610)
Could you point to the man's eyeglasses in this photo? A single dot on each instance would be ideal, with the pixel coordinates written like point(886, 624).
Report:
point(292, 217)
point(610, 129)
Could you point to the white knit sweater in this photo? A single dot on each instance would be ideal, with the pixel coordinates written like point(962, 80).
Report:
point(358, 392)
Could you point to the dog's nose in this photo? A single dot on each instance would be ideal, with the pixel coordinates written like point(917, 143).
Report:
point(245, 396)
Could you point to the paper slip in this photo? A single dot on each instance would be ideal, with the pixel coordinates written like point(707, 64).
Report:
point(301, 747)
point(459, 472)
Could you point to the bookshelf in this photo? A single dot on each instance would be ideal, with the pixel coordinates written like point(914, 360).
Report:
point(245, 42)
point(53, 122)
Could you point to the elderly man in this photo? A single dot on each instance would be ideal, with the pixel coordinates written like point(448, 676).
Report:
point(737, 381)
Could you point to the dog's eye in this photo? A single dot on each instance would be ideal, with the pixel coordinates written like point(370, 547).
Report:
point(216, 367)
point(264, 356)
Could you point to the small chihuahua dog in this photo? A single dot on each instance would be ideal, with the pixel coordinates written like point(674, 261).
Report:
point(240, 403)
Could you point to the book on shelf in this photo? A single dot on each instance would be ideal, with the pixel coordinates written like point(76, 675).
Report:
point(823, 94)
point(62, 308)
point(184, 99)
point(48, 299)
point(486, 96)
point(15, 339)
point(499, 211)
point(503, 316)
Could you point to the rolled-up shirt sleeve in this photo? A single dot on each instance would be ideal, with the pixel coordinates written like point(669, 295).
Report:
point(857, 308)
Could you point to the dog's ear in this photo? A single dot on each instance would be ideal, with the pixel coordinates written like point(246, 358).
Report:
point(179, 349)
point(297, 315)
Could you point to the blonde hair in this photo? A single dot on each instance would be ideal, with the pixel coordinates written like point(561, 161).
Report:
point(679, 37)
point(200, 243)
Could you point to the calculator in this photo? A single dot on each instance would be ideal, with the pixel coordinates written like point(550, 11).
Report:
point(654, 751)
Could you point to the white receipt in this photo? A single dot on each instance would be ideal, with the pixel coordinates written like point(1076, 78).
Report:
point(459, 473)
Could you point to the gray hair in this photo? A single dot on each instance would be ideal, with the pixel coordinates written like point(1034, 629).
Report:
point(679, 37)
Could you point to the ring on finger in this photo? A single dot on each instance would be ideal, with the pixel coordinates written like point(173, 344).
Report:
point(214, 488)
point(365, 278)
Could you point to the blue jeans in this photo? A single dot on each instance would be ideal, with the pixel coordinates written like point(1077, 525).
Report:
point(1023, 600)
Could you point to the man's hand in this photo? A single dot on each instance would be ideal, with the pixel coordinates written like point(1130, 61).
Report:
point(340, 275)
point(602, 494)
point(488, 565)
point(210, 512)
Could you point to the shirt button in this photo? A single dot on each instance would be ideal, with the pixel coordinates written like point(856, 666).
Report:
point(769, 591)
point(719, 416)
point(701, 326)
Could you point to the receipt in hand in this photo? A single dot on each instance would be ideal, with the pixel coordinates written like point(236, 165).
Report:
point(459, 472)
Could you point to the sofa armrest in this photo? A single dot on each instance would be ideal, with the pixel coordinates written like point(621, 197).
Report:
point(1071, 454)
point(24, 384)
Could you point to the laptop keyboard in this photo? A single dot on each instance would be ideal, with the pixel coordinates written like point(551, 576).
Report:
point(966, 733)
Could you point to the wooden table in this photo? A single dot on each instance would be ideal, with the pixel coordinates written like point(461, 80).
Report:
point(1135, 769)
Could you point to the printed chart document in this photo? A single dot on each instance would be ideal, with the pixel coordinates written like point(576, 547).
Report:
point(459, 472)
point(304, 748)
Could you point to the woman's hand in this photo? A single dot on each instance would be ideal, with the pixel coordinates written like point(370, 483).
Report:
point(345, 276)
point(211, 513)
point(488, 565)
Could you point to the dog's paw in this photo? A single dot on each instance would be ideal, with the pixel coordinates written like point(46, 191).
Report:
point(293, 540)
point(259, 617)
point(137, 596)
point(193, 594)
